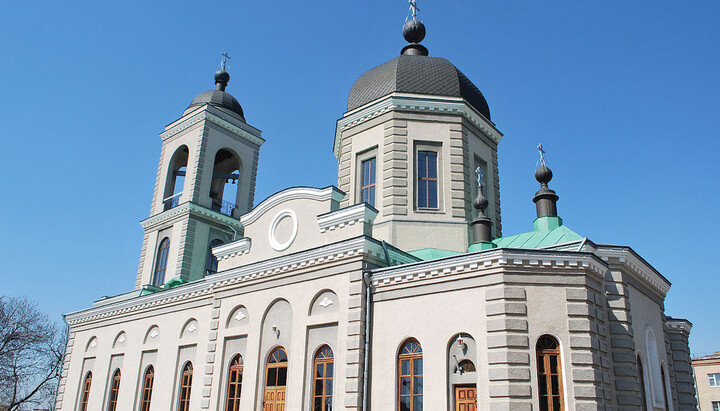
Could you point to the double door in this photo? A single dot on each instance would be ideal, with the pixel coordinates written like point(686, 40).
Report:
point(465, 398)
point(274, 399)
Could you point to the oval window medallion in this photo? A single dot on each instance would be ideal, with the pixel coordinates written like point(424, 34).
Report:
point(283, 230)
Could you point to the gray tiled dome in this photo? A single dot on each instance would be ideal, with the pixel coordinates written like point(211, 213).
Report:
point(219, 99)
point(418, 75)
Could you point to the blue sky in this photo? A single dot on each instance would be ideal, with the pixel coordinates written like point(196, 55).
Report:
point(623, 95)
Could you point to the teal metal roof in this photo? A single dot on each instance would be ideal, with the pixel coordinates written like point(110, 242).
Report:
point(548, 231)
point(426, 254)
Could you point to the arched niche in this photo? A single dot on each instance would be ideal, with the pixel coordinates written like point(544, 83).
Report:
point(120, 340)
point(277, 325)
point(238, 317)
point(653, 365)
point(190, 330)
point(175, 180)
point(226, 177)
point(152, 335)
point(461, 361)
point(92, 344)
point(325, 302)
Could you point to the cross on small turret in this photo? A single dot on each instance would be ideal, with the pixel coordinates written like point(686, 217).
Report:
point(542, 154)
point(413, 9)
point(224, 57)
point(479, 173)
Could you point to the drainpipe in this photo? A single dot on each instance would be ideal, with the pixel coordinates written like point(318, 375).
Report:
point(234, 232)
point(368, 329)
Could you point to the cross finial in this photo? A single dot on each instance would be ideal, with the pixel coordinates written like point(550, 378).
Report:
point(413, 9)
point(542, 154)
point(224, 57)
point(479, 173)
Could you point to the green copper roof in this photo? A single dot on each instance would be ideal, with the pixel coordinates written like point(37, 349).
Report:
point(547, 231)
point(426, 254)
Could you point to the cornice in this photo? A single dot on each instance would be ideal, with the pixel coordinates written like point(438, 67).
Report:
point(678, 324)
point(184, 210)
point(414, 103)
point(207, 286)
point(225, 251)
point(318, 194)
point(359, 213)
point(637, 267)
point(240, 129)
point(499, 258)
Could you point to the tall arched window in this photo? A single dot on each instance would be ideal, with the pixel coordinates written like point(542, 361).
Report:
point(114, 390)
point(185, 386)
point(235, 375)
point(665, 392)
point(147, 388)
point(86, 391)
point(275, 380)
point(161, 262)
point(323, 380)
point(549, 374)
point(211, 262)
point(410, 377)
point(641, 378)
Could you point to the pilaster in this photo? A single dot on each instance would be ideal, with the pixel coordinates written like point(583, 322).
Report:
point(355, 359)
point(496, 184)
point(344, 167)
point(395, 171)
point(460, 201)
point(678, 331)
point(508, 349)
point(62, 384)
point(211, 356)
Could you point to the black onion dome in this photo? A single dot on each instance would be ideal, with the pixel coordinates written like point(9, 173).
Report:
point(416, 74)
point(543, 174)
point(219, 97)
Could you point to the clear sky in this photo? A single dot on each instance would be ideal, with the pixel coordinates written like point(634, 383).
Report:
point(625, 97)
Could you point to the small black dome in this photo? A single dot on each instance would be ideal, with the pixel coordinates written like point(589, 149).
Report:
point(543, 174)
point(416, 74)
point(414, 31)
point(218, 98)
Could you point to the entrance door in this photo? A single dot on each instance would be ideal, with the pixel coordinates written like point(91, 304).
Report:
point(274, 399)
point(466, 398)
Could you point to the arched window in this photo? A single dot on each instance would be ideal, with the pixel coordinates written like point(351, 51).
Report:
point(223, 189)
point(235, 375)
point(665, 393)
point(549, 374)
point(185, 386)
point(161, 262)
point(211, 262)
point(276, 380)
point(410, 377)
point(323, 391)
point(466, 366)
point(176, 178)
point(641, 378)
point(147, 388)
point(114, 390)
point(86, 391)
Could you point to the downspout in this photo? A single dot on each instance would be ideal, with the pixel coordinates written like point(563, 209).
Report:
point(234, 232)
point(368, 329)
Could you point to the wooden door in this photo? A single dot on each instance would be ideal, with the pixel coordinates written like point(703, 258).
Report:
point(466, 398)
point(274, 399)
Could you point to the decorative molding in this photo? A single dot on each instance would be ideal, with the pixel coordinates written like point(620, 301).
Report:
point(154, 333)
point(205, 287)
point(239, 316)
point(326, 302)
point(678, 324)
point(499, 258)
point(292, 193)
point(359, 213)
point(272, 239)
point(636, 266)
point(239, 247)
point(416, 103)
point(185, 209)
point(206, 112)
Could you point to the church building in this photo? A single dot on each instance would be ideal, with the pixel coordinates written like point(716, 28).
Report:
point(394, 290)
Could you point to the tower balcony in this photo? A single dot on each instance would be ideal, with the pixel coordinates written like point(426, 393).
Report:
point(172, 201)
point(223, 207)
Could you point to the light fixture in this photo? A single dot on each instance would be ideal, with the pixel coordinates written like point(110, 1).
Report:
point(276, 330)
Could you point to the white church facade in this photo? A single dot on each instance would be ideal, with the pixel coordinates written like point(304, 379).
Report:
point(395, 290)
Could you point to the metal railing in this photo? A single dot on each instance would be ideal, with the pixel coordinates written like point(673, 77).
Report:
point(222, 206)
point(172, 202)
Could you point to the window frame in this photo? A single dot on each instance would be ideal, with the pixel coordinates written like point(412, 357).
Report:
point(85, 394)
point(163, 252)
point(114, 390)
point(715, 405)
point(413, 353)
point(714, 380)
point(237, 366)
point(322, 359)
point(370, 186)
point(185, 387)
point(437, 148)
point(543, 355)
point(211, 262)
point(146, 394)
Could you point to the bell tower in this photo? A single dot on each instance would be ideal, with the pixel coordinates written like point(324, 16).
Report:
point(205, 181)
